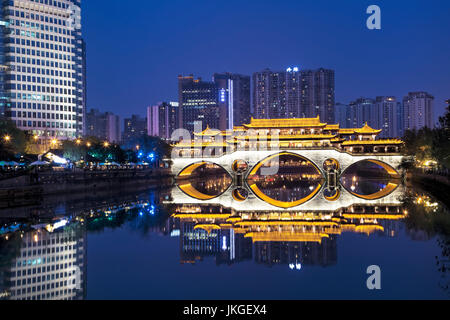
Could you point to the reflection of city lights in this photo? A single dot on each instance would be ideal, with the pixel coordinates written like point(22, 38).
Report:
point(353, 188)
point(36, 238)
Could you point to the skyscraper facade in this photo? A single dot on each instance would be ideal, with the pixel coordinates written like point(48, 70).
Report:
point(343, 115)
point(162, 119)
point(363, 110)
point(134, 128)
point(418, 111)
point(198, 103)
point(277, 95)
point(386, 108)
point(234, 99)
point(45, 60)
point(318, 94)
point(105, 126)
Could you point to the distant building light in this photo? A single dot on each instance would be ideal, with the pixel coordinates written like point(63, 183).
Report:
point(175, 233)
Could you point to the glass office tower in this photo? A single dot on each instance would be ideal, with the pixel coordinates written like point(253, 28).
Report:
point(44, 58)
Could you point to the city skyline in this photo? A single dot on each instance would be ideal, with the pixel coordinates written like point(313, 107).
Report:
point(373, 71)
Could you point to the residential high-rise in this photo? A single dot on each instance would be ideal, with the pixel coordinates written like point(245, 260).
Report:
point(364, 110)
point(45, 60)
point(386, 108)
point(343, 115)
point(234, 99)
point(134, 128)
point(277, 95)
point(162, 119)
point(400, 120)
point(105, 126)
point(418, 111)
point(198, 103)
point(318, 94)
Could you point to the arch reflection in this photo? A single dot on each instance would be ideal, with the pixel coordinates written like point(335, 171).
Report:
point(285, 180)
point(370, 179)
point(204, 180)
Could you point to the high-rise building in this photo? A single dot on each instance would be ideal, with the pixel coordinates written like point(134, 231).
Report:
point(277, 95)
point(363, 110)
point(162, 119)
point(386, 108)
point(400, 120)
point(198, 103)
point(134, 128)
point(234, 99)
point(418, 111)
point(343, 115)
point(105, 126)
point(318, 94)
point(45, 60)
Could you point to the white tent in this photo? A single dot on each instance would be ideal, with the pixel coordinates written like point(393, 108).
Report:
point(39, 163)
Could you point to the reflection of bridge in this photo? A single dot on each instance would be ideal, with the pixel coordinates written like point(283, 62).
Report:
point(317, 203)
point(276, 237)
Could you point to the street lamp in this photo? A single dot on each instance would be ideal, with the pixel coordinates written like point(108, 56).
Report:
point(88, 144)
point(54, 142)
point(138, 147)
point(106, 144)
point(7, 138)
point(78, 141)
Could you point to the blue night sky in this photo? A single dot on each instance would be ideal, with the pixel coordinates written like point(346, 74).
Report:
point(137, 48)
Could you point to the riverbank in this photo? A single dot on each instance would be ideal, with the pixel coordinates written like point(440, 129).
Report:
point(436, 185)
point(31, 188)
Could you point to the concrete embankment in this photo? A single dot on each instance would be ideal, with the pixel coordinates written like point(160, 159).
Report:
point(32, 187)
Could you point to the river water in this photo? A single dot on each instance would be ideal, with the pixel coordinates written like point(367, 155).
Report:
point(166, 244)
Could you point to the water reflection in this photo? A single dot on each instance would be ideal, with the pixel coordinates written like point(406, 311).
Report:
point(204, 181)
point(294, 180)
point(270, 238)
point(42, 265)
point(45, 258)
point(369, 180)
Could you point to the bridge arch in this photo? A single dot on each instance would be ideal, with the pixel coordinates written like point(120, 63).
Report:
point(278, 203)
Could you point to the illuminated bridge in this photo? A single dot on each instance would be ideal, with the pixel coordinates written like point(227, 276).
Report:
point(314, 153)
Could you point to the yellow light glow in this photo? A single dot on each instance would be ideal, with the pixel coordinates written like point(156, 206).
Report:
point(7, 138)
point(106, 144)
